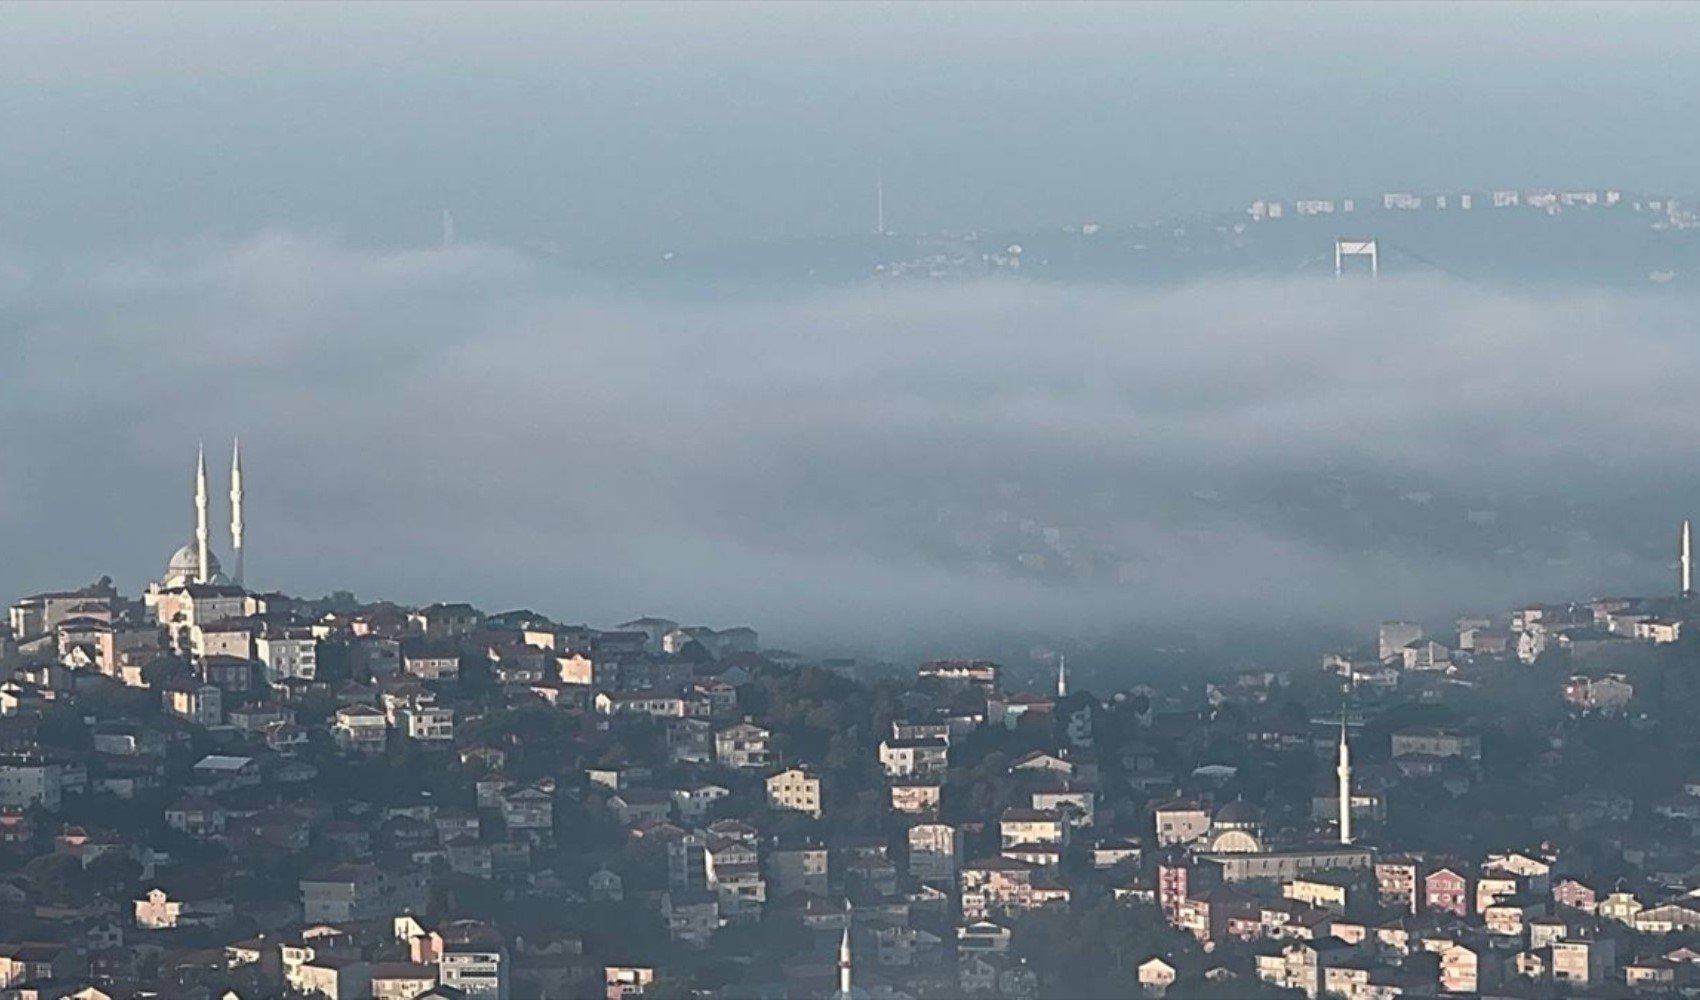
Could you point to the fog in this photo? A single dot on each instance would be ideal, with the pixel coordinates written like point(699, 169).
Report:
point(464, 423)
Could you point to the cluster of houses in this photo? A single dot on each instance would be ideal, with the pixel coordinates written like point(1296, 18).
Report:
point(212, 792)
point(1604, 899)
point(1587, 638)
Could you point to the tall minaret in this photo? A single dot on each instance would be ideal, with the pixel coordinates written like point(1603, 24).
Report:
point(1687, 562)
point(1344, 771)
point(236, 507)
point(202, 556)
point(1062, 677)
point(879, 202)
point(844, 964)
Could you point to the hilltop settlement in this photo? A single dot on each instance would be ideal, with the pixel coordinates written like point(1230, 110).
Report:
point(209, 791)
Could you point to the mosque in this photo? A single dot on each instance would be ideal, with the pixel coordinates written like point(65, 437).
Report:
point(196, 563)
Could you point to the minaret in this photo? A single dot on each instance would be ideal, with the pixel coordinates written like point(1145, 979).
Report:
point(1062, 677)
point(844, 964)
point(236, 507)
point(879, 203)
point(1344, 771)
point(202, 556)
point(1687, 562)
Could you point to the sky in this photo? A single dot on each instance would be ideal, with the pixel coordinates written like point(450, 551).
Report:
point(611, 128)
point(224, 219)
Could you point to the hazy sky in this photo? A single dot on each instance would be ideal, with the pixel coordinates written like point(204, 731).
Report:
point(612, 126)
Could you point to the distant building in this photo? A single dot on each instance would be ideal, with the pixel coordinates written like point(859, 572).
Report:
point(795, 790)
point(1437, 742)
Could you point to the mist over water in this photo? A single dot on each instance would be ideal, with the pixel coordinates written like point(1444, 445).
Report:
point(927, 460)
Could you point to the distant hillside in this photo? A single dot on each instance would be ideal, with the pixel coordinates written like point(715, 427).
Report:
point(1637, 242)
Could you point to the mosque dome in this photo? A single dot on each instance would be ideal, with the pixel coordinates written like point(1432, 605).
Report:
point(1238, 814)
point(184, 567)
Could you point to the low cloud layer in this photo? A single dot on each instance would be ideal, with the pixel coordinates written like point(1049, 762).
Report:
point(463, 424)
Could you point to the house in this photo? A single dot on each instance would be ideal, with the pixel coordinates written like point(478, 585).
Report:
point(1303, 965)
point(637, 805)
point(690, 741)
point(427, 723)
point(473, 958)
point(917, 798)
point(1583, 961)
point(1398, 882)
point(695, 801)
point(223, 772)
point(909, 758)
point(1155, 976)
point(983, 937)
point(1437, 742)
point(1659, 630)
point(157, 909)
point(1077, 806)
point(795, 790)
point(360, 729)
point(334, 977)
point(1575, 895)
point(1447, 890)
point(1668, 918)
point(255, 718)
point(935, 852)
point(1181, 821)
point(34, 962)
point(1468, 967)
point(1511, 916)
point(975, 673)
point(446, 621)
point(344, 892)
point(1608, 694)
point(530, 809)
point(430, 661)
point(1619, 907)
point(1396, 636)
point(742, 745)
point(651, 703)
point(625, 981)
point(288, 652)
point(799, 868)
point(692, 917)
point(29, 780)
point(1318, 891)
point(1032, 826)
point(1110, 853)
point(1651, 975)
point(1425, 654)
point(401, 980)
point(195, 701)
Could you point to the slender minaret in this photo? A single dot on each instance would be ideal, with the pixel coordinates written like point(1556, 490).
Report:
point(236, 507)
point(879, 203)
point(1687, 561)
point(1344, 771)
point(202, 555)
point(1062, 677)
point(844, 964)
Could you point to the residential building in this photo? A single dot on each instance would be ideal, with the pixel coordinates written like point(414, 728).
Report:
point(742, 745)
point(288, 652)
point(909, 758)
point(361, 729)
point(796, 790)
